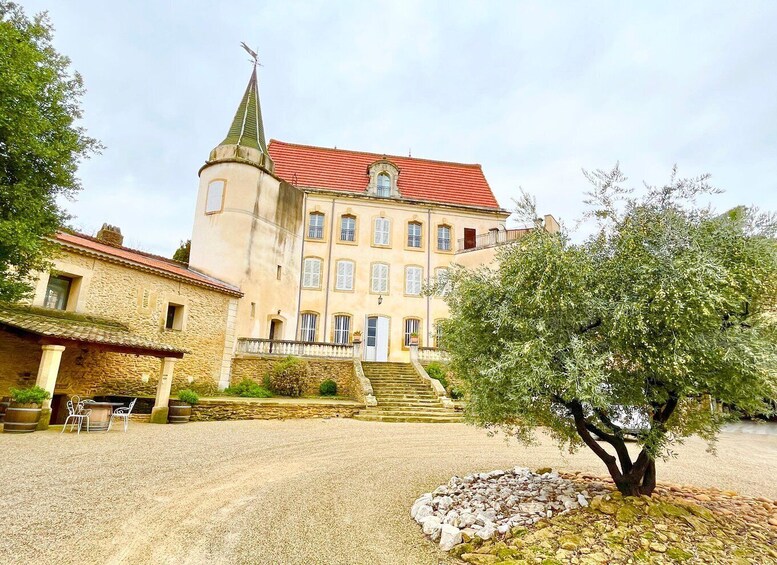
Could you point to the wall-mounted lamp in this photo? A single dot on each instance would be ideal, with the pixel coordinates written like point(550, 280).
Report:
point(279, 312)
point(190, 380)
point(144, 377)
point(380, 299)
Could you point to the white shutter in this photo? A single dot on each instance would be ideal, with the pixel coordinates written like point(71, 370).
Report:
point(344, 275)
point(311, 277)
point(380, 274)
point(381, 231)
point(413, 280)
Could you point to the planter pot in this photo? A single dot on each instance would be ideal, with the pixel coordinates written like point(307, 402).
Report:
point(413, 341)
point(179, 412)
point(4, 403)
point(21, 418)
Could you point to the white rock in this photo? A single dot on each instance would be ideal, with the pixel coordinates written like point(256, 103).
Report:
point(581, 500)
point(440, 490)
point(444, 502)
point(431, 525)
point(486, 532)
point(420, 501)
point(531, 507)
point(423, 512)
point(450, 536)
point(451, 518)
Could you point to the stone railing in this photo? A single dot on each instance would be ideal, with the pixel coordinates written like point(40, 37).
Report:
point(366, 393)
point(428, 354)
point(258, 346)
point(490, 238)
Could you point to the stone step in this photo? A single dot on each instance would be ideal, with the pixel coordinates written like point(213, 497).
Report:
point(409, 389)
point(406, 397)
point(411, 419)
point(413, 412)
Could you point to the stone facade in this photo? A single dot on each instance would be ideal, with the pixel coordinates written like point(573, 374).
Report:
point(138, 299)
point(272, 409)
point(341, 371)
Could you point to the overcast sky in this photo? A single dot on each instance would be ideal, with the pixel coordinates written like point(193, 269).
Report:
point(533, 91)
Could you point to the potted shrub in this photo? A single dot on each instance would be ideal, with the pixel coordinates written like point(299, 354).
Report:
point(357, 337)
point(180, 411)
point(23, 412)
point(414, 338)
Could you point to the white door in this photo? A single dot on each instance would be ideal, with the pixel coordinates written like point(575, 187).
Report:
point(376, 347)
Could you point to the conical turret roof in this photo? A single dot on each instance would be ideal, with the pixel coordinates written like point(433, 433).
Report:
point(247, 128)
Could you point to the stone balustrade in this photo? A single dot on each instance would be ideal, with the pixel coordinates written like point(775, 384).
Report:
point(284, 348)
point(429, 354)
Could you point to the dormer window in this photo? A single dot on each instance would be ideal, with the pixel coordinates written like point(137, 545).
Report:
point(384, 185)
point(383, 179)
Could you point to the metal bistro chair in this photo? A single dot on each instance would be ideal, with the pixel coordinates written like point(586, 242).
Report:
point(76, 416)
point(123, 413)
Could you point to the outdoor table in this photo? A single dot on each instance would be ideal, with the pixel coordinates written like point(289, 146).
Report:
point(100, 417)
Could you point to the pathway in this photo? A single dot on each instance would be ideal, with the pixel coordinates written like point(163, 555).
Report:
point(281, 492)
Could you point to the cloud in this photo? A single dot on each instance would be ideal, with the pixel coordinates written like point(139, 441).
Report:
point(533, 91)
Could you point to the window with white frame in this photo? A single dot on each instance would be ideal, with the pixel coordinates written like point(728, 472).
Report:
point(347, 228)
point(316, 226)
point(384, 185)
point(412, 326)
point(444, 238)
point(441, 281)
point(311, 273)
point(413, 277)
point(380, 278)
point(214, 199)
point(344, 275)
point(382, 231)
point(438, 334)
point(342, 329)
point(308, 327)
point(414, 234)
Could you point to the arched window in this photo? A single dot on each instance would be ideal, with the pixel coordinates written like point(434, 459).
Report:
point(384, 185)
point(316, 226)
point(412, 329)
point(347, 228)
point(414, 234)
point(443, 238)
point(342, 329)
point(307, 331)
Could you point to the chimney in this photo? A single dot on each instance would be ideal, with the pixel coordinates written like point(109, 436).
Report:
point(111, 235)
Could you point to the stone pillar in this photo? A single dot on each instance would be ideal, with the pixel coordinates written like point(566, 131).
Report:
point(413, 352)
point(47, 378)
point(160, 409)
point(357, 349)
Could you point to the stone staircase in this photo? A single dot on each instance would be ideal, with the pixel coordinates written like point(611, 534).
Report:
point(403, 396)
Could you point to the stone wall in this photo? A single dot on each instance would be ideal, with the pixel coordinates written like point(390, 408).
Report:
point(271, 409)
point(341, 371)
point(139, 300)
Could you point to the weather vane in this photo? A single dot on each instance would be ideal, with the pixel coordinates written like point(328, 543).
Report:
point(254, 56)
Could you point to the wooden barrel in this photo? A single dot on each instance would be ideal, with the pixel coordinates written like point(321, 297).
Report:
point(21, 419)
point(4, 404)
point(178, 412)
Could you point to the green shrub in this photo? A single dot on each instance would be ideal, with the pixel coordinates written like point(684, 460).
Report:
point(437, 371)
point(248, 389)
point(266, 381)
point(456, 393)
point(288, 377)
point(32, 395)
point(188, 396)
point(328, 388)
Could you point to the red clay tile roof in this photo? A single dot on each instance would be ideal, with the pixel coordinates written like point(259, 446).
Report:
point(141, 259)
point(419, 179)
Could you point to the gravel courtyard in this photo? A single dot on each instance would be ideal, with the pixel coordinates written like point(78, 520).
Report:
point(278, 492)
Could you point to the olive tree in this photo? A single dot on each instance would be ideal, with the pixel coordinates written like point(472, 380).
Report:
point(651, 325)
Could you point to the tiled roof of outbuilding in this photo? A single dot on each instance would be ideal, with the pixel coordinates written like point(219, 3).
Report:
point(306, 166)
point(140, 259)
point(68, 326)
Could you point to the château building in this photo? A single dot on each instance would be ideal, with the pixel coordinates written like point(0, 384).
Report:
point(295, 250)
